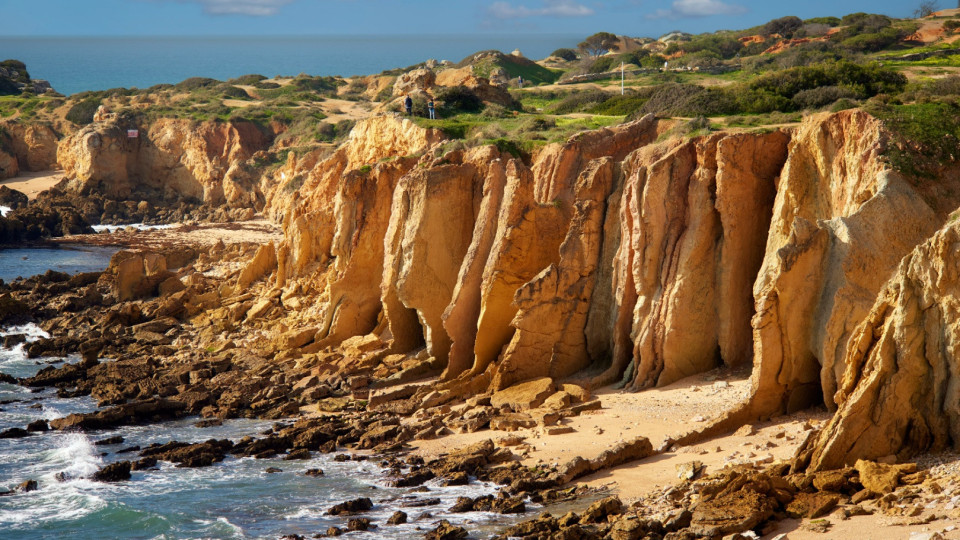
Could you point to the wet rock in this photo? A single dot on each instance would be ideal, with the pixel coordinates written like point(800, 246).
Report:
point(187, 455)
point(12, 310)
point(334, 531)
point(115, 472)
point(145, 463)
point(14, 433)
point(297, 455)
point(446, 531)
point(147, 411)
point(353, 506)
point(109, 440)
point(272, 470)
point(463, 504)
point(414, 478)
point(398, 518)
point(420, 503)
point(26, 486)
point(360, 524)
point(456, 479)
point(316, 473)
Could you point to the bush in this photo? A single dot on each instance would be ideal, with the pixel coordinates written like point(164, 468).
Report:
point(229, 91)
point(459, 99)
point(688, 100)
point(82, 113)
point(194, 83)
point(785, 26)
point(495, 111)
point(580, 101)
point(619, 105)
point(843, 104)
point(266, 85)
point(952, 24)
point(538, 123)
point(815, 98)
point(247, 80)
point(566, 54)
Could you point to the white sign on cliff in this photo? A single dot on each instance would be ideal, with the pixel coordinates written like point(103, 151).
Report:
point(133, 133)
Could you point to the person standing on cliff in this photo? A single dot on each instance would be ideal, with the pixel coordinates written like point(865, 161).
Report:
point(430, 108)
point(408, 104)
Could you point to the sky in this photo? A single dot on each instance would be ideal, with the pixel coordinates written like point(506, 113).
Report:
point(637, 18)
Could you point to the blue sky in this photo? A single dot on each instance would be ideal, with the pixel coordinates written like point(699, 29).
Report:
point(333, 17)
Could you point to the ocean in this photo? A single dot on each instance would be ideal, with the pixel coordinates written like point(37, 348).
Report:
point(236, 499)
point(77, 64)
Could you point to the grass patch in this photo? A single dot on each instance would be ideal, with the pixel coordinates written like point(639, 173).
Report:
point(925, 135)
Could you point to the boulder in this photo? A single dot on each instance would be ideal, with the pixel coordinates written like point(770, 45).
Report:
point(524, 396)
point(115, 472)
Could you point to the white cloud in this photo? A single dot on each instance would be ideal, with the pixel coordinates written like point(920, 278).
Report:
point(554, 8)
point(257, 8)
point(697, 8)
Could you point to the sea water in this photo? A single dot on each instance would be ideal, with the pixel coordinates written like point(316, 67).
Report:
point(237, 498)
point(68, 258)
point(77, 64)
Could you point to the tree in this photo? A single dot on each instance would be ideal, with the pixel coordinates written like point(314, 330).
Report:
point(926, 8)
point(599, 43)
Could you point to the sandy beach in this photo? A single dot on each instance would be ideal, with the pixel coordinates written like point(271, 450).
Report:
point(32, 184)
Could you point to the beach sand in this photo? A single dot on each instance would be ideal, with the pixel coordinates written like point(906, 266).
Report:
point(32, 184)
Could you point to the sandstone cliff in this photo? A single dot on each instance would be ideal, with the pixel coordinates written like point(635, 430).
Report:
point(900, 392)
point(170, 160)
point(26, 147)
point(612, 256)
point(842, 221)
point(637, 261)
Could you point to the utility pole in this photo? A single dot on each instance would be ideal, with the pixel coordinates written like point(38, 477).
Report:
point(621, 78)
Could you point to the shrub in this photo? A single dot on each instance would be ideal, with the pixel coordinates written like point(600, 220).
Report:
point(266, 85)
point(687, 100)
point(537, 123)
point(926, 135)
point(842, 105)
point(785, 26)
point(580, 101)
point(619, 105)
point(194, 83)
point(229, 91)
point(952, 24)
point(459, 99)
point(82, 113)
point(247, 80)
point(814, 98)
point(566, 54)
point(494, 111)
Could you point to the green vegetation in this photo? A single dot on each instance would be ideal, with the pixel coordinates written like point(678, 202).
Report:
point(82, 112)
point(484, 64)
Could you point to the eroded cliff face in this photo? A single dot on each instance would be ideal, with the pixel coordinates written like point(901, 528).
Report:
point(26, 147)
point(613, 256)
point(693, 221)
point(842, 221)
point(170, 159)
point(900, 389)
